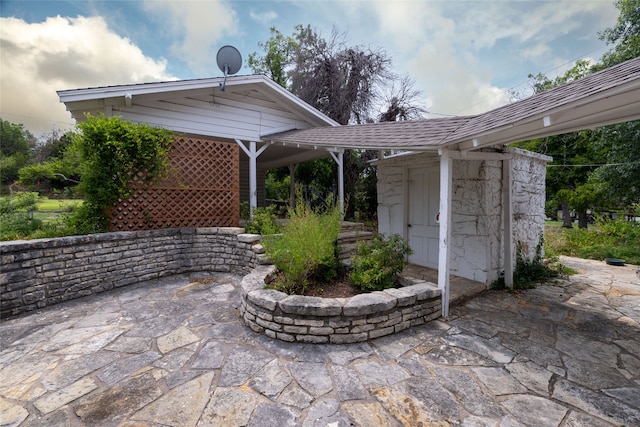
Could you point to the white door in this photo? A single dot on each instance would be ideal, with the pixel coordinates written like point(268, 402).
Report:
point(422, 226)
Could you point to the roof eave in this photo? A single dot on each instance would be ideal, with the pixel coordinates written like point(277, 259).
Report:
point(68, 97)
point(570, 117)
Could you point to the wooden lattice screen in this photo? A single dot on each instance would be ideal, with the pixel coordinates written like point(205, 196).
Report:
point(202, 190)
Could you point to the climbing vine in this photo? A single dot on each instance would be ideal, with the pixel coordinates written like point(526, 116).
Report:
point(114, 153)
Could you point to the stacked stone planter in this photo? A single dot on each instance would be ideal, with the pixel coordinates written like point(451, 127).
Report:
point(335, 320)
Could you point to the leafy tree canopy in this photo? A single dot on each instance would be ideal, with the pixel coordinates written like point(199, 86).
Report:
point(599, 168)
point(350, 84)
point(16, 144)
point(15, 139)
point(624, 35)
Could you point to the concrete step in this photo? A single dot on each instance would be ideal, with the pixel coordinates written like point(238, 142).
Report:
point(352, 226)
point(354, 236)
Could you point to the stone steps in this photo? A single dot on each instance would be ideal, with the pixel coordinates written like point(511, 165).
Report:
point(351, 235)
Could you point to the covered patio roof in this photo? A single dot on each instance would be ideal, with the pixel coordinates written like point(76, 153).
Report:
point(607, 97)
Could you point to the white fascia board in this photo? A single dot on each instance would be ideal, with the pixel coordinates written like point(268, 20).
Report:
point(626, 102)
point(73, 95)
point(274, 91)
point(299, 102)
point(625, 94)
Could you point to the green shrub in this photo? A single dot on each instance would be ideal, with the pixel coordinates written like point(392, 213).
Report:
point(377, 263)
point(17, 225)
point(606, 239)
point(88, 218)
point(529, 272)
point(307, 246)
point(245, 211)
point(264, 221)
point(16, 216)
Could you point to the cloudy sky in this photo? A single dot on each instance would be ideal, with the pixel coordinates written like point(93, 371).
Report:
point(465, 56)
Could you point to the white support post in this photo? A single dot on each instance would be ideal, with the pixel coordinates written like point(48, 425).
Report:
point(444, 254)
point(253, 154)
point(507, 223)
point(339, 159)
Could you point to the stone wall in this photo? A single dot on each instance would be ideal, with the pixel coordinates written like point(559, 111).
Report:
point(296, 318)
point(38, 273)
point(476, 207)
point(528, 173)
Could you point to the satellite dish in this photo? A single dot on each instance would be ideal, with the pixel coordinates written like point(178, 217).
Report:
point(229, 61)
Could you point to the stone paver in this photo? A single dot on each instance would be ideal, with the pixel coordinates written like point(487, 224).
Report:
point(565, 354)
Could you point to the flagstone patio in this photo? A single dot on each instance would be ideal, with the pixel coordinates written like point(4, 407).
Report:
point(174, 352)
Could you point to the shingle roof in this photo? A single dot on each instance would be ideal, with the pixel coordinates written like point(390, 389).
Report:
point(432, 133)
point(377, 135)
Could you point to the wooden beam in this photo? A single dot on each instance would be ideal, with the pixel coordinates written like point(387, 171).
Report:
point(477, 155)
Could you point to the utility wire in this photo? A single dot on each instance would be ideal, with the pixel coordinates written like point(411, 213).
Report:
point(592, 165)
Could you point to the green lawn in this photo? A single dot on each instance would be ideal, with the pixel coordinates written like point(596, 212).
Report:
point(58, 205)
point(608, 239)
point(47, 210)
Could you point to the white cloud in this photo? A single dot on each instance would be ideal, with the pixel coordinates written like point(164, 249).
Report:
point(63, 53)
point(449, 75)
point(537, 50)
point(263, 17)
point(197, 27)
point(454, 49)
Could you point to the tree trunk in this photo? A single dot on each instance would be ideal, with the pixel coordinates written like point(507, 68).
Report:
point(351, 174)
point(582, 219)
point(566, 215)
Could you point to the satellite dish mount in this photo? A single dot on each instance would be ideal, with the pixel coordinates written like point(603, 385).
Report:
point(229, 61)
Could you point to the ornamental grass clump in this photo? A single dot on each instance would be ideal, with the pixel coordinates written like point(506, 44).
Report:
point(377, 263)
point(306, 248)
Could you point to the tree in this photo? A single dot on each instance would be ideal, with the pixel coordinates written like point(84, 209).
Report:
point(600, 166)
point(52, 146)
point(621, 142)
point(569, 151)
point(344, 82)
point(56, 166)
point(401, 101)
point(624, 35)
point(15, 139)
point(620, 145)
point(277, 57)
point(540, 82)
point(16, 144)
point(339, 80)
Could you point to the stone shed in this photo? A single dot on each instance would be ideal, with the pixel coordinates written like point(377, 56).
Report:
point(409, 205)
